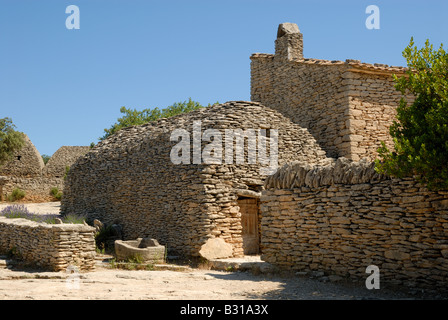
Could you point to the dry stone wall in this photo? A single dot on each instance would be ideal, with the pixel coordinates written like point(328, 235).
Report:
point(26, 171)
point(35, 188)
point(372, 107)
point(342, 217)
point(54, 247)
point(308, 94)
point(129, 178)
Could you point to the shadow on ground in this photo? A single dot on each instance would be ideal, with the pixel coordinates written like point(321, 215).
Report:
point(292, 287)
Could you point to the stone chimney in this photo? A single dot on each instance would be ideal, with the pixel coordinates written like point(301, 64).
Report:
point(289, 43)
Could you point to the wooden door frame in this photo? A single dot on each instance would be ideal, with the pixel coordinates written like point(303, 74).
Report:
point(258, 231)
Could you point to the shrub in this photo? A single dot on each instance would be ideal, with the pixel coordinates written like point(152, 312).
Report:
point(420, 131)
point(45, 158)
point(102, 238)
point(74, 218)
point(56, 193)
point(17, 194)
point(10, 140)
point(16, 211)
point(134, 117)
point(67, 169)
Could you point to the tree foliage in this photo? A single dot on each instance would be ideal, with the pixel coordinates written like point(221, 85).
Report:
point(10, 140)
point(134, 117)
point(420, 131)
point(45, 158)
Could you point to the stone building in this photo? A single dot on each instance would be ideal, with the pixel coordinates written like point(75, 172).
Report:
point(134, 178)
point(64, 157)
point(347, 106)
point(27, 171)
point(27, 162)
point(342, 218)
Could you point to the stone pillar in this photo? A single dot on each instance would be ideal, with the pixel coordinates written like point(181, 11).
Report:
point(289, 43)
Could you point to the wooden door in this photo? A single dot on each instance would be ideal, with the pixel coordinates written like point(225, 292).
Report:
point(249, 222)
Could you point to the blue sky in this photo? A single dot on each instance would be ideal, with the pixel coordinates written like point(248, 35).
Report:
point(63, 87)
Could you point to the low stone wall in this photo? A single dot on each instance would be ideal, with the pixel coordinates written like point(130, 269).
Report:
point(53, 247)
point(343, 217)
point(36, 187)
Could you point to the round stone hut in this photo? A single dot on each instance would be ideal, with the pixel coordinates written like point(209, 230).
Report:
point(189, 179)
point(63, 158)
point(26, 162)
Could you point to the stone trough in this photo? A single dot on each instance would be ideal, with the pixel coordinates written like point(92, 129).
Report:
point(145, 249)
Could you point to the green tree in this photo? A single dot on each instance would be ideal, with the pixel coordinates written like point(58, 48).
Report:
point(45, 158)
point(134, 117)
point(420, 131)
point(10, 140)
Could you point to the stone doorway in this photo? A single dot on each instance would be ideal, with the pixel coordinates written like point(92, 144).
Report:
point(249, 208)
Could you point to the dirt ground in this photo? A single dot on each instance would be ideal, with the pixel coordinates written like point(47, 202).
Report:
point(191, 284)
point(108, 283)
point(41, 208)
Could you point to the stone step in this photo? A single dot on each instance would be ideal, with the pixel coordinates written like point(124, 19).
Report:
point(4, 262)
point(248, 263)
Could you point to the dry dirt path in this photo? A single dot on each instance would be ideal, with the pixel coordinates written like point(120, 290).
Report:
point(193, 284)
point(40, 208)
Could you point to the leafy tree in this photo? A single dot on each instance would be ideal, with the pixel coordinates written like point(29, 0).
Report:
point(420, 131)
point(10, 140)
point(45, 158)
point(134, 117)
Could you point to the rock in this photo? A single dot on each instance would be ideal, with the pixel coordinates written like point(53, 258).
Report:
point(334, 278)
point(132, 249)
point(444, 253)
point(97, 224)
point(287, 28)
point(58, 221)
point(247, 193)
point(396, 255)
point(216, 248)
point(147, 242)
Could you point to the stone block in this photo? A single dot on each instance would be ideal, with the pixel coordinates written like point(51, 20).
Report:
point(396, 255)
point(216, 248)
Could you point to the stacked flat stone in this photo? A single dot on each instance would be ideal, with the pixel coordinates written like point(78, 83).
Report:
point(27, 162)
point(64, 157)
point(347, 106)
point(27, 171)
point(54, 247)
point(129, 178)
point(36, 187)
point(341, 217)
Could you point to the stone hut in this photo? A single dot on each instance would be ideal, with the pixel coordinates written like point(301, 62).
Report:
point(27, 162)
point(187, 196)
point(27, 171)
point(347, 106)
point(64, 157)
